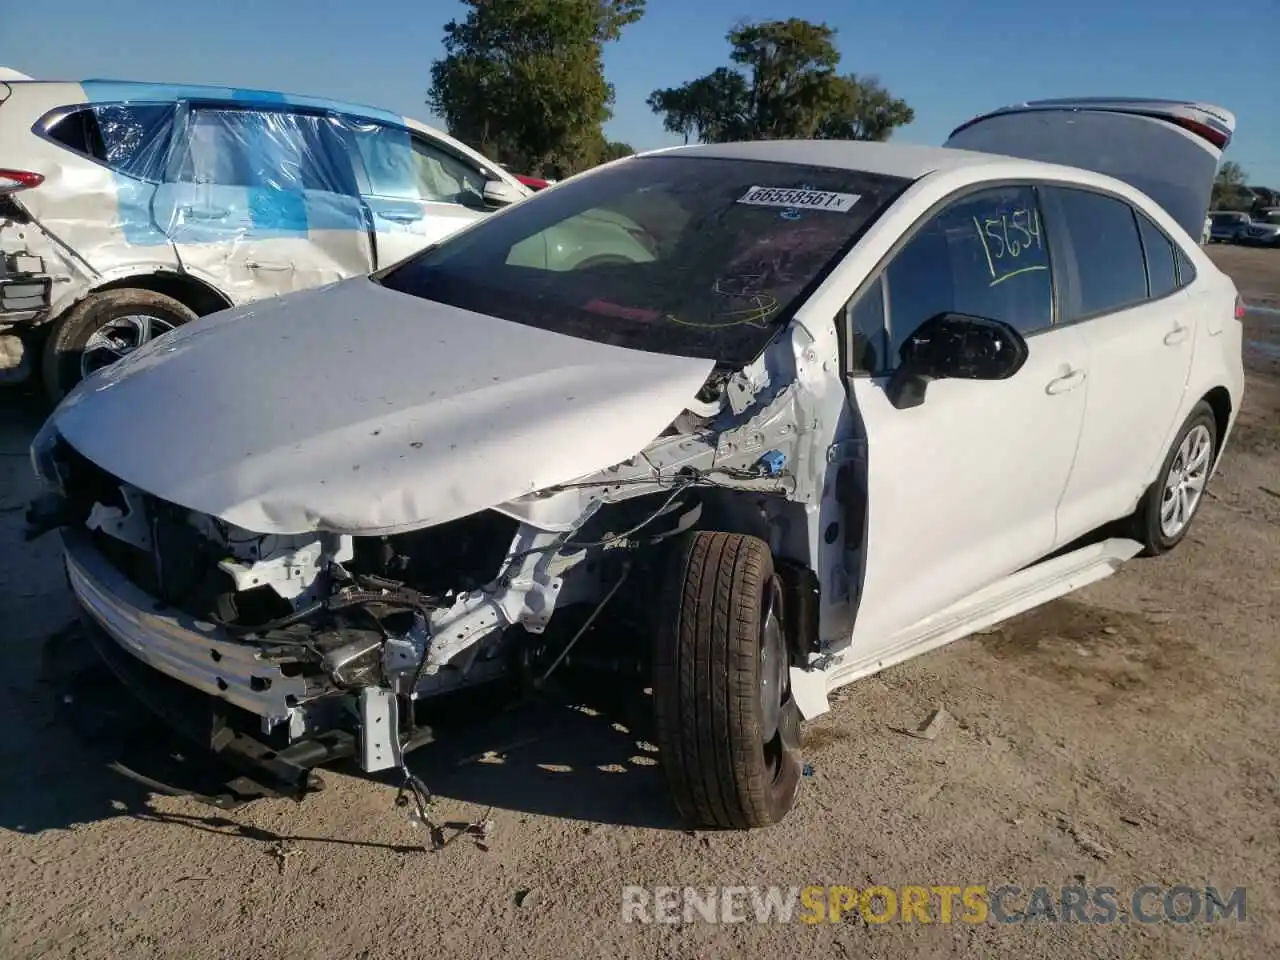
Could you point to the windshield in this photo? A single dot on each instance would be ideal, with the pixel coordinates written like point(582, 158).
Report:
point(1271, 216)
point(1228, 219)
point(693, 256)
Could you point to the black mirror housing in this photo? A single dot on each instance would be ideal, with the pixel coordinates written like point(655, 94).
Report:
point(955, 346)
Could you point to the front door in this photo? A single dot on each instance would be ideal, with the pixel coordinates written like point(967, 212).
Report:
point(263, 202)
point(963, 489)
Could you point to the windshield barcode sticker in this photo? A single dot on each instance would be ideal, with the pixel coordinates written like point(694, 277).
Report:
point(800, 199)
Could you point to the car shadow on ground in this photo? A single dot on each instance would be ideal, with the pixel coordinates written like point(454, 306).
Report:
point(579, 751)
point(583, 751)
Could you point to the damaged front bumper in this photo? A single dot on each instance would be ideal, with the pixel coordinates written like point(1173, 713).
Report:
point(198, 654)
point(168, 659)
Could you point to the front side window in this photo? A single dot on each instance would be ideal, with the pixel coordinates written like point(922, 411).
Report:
point(1162, 272)
point(984, 255)
point(273, 150)
point(866, 330)
point(1103, 232)
point(692, 256)
point(405, 166)
point(130, 138)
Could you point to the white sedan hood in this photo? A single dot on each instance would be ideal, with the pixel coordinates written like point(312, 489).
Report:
point(356, 409)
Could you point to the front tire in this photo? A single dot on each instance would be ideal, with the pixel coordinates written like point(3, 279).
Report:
point(1166, 510)
point(728, 729)
point(102, 328)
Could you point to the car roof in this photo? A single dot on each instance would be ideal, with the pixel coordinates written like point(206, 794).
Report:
point(111, 91)
point(891, 159)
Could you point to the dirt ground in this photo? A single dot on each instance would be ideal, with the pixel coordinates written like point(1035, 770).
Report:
point(1122, 736)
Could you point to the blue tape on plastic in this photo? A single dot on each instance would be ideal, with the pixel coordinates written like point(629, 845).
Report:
point(133, 208)
point(124, 91)
point(155, 214)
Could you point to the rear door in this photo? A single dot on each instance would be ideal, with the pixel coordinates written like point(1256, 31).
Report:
point(1126, 289)
point(962, 490)
point(262, 202)
point(418, 191)
point(1168, 149)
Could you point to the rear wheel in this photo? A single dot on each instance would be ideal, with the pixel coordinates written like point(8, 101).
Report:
point(728, 729)
point(102, 328)
point(1165, 512)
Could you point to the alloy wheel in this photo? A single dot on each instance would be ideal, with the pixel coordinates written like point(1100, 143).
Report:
point(1185, 482)
point(118, 338)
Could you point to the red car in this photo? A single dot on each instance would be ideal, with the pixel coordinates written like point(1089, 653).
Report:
point(534, 183)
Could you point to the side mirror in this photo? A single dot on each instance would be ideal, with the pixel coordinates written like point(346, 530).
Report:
point(499, 193)
point(954, 346)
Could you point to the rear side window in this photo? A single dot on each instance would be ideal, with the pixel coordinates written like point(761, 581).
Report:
point(1162, 271)
point(1186, 271)
point(1104, 236)
point(404, 166)
point(272, 150)
point(129, 138)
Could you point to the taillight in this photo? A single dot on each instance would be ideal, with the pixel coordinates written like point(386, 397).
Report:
point(1240, 308)
point(1216, 137)
point(11, 181)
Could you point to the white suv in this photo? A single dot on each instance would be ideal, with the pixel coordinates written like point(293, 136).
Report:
point(845, 403)
point(128, 209)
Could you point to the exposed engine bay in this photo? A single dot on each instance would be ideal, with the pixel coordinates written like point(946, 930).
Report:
point(319, 632)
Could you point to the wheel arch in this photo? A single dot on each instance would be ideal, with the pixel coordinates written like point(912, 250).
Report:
point(1219, 401)
point(191, 292)
point(784, 526)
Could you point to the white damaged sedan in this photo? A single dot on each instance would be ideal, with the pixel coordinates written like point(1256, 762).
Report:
point(836, 405)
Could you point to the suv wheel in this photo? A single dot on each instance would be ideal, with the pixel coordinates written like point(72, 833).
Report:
point(102, 328)
point(728, 729)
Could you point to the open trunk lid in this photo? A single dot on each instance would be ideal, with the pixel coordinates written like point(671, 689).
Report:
point(1168, 149)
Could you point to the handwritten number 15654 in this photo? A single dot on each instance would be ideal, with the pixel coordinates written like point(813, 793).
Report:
point(1008, 236)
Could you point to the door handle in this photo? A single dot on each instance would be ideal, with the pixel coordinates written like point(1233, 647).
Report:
point(267, 265)
point(1065, 383)
point(1176, 336)
point(395, 217)
point(203, 213)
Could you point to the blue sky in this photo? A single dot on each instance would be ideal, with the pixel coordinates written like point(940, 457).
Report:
point(949, 60)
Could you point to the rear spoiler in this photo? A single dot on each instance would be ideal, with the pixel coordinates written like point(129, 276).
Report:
point(1212, 124)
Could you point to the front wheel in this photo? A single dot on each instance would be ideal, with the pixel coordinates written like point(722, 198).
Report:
point(728, 729)
point(102, 328)
point(1165, 512)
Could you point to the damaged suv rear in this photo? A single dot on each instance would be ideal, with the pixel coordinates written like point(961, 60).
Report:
point(321, 510)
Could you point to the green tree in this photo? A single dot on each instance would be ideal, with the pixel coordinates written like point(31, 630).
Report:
point(865, 111)
point(581, 154)
point(523, 80)
point(1229, 190)
point(713, 109)
point(616, 150)
point(783, 85)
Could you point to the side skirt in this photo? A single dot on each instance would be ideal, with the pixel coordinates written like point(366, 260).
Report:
point(1015, 594)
